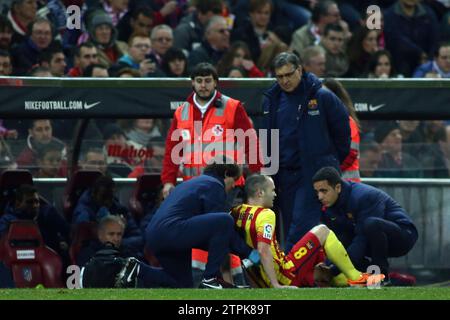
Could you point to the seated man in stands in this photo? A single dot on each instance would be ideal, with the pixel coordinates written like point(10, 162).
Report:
point(98, 202)
point(28, 206)
point(117, 269)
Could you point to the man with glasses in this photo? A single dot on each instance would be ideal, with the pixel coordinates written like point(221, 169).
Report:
point(215, 43)
point(139, 48)
point(162, 40)
point(313, 132)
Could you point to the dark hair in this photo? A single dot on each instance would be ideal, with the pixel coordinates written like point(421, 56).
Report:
point(254, 183)
point(144, 10)
point(77, 51)
point(223, 167)
point(225, 64)
point(32, 122)
point(355, 50)
point(5, 24)
point(255, 5)
point(338, 89)
point(204, 69)
point(23, 190)
point(285, 58)
point(47, 54)
point(369, 145)
point(332, 27)
point(90, 69)
point(40, 20)
point(171, 55)
point(441, 45)
point(321, 9)
point(204, 6)
point(329, 174)
point(37, 69)
point(373, 62)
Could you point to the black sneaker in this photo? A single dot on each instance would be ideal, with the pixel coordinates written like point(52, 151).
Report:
point(127, 277)
point(215, 283)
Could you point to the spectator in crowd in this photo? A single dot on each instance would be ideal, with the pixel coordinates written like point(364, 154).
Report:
point(439, 67)
point(431, 154)
point(109, 250)
point(93, 158)
point(85, 55)
point(350, 166)
point(369, 159)
point(96, 70)
point(142, 131)
point(162, 40)
point(238, 56)
point(40, 133)
point(29, 206)
point(295, 13)
point(53, 58)
point(153, 163)
point(21, 14)
point(337, 63)
point(137, 57)
point(188, 35)
point(40, 72)
point(128, 73)
point(194, 215)
point(6, 33)
point(119, 161)
point(7, 160)
point(366, 220)
point(278, 42)
point(5, 63)
point(395, 162)
point(380, 65)
point(294, 105)
point(100, 201)
point(236, 72)
point(411, 31)
point(104, 36)
point(215, 43)
point(175, 63)
point(254, 31)
point(257, 224)
point(116, 9)
point(50, 160)
point(314, 60)
point(325, 12)
point(360, 49)
point(26, 54)
point(168, 11)
point(140, 21)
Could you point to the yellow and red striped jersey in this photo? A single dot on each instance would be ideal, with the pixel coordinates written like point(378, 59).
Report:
point(257, 224)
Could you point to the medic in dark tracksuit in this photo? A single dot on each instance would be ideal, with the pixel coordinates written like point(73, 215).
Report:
point(194, 215)
point(371, 224)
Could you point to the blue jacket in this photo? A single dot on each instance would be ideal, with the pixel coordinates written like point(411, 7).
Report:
point(323, 127)
point(200, 195)
point(53, 227)
point(87, 210)
point(356, 203)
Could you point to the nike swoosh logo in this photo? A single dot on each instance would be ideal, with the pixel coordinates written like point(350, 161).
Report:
point(88, 106)
point(265, 112)
point(213, 286)
point(131, 273)
point(375, 108)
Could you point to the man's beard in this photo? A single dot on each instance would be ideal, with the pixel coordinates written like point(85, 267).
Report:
point(203, 98)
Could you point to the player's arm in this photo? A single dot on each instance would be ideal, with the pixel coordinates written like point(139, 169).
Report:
point(265, 253)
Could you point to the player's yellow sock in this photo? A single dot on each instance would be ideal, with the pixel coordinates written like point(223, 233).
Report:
point(338, 255)
point(339, 281)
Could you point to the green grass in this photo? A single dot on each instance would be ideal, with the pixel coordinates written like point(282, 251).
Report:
point(415, 293)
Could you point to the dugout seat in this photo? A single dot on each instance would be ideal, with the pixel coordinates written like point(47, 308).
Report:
point(30, 261)
point(10, 180)
point(77, 184)
point(82, 234)
point(144, 195)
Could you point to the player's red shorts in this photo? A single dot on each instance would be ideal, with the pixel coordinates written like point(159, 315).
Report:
point(306, 253)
